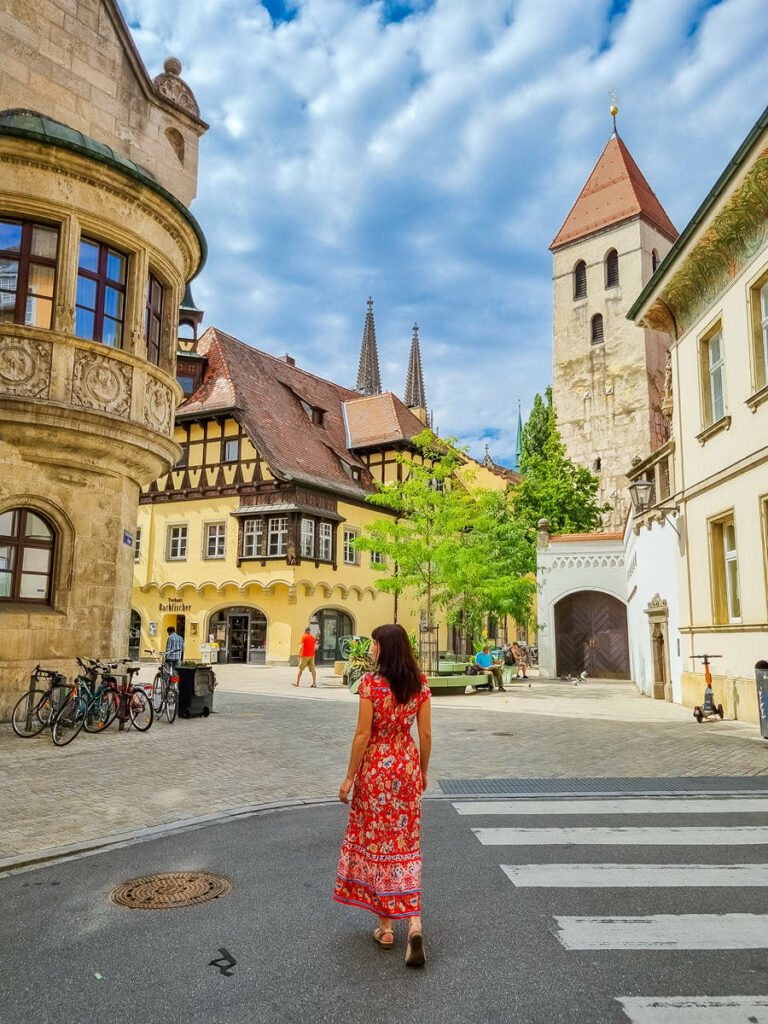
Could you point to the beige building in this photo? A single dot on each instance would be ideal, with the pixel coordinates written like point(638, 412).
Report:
point(98, 163)
point(710, 296)
point(608, 373)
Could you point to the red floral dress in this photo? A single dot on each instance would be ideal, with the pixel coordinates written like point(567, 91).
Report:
point(380, 866)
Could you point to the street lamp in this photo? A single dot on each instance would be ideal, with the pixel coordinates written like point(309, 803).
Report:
point(640, 493)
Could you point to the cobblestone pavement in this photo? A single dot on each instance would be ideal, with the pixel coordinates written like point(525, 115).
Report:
point(268, 741)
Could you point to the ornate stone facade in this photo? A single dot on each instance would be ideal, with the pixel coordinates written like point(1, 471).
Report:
point(84, 425)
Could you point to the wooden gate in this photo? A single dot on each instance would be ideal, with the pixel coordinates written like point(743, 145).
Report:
point(591, 636)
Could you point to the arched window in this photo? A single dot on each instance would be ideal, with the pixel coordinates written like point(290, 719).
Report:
point(597, 329)
point(26, 556)
point(612, 269)
point(580, 280)
point(654, 261)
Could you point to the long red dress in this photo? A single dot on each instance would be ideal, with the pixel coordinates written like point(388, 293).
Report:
point(380, 865)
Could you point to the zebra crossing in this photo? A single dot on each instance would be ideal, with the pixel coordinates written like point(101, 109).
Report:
point(525, 847)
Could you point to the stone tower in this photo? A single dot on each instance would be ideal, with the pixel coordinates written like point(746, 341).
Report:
point(368, 373)
point(98, 164)
point(608, 375)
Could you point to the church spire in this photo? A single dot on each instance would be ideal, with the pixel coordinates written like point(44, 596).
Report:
point(368, 375)
point(415, 396)
point(518, 441)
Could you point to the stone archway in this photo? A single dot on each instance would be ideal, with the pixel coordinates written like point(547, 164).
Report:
point(591, 636)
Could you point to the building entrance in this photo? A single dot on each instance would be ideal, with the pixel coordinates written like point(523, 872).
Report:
point(591, 636)
point(328, 625)
point(241, 634)
point(134, 636)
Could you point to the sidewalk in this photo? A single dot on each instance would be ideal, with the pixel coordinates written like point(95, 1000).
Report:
point(268, 741)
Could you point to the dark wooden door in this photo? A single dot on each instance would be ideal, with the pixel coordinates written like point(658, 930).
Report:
point(238, 638)
point(591, 636)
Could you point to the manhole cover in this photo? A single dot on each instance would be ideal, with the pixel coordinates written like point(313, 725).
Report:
point(169, 890)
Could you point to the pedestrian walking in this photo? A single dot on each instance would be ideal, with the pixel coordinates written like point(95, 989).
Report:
point(380, 865)
point(307, 655)
point(174, 648)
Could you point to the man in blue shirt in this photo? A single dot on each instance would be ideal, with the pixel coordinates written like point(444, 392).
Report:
point(174, 647)
point(484, 661)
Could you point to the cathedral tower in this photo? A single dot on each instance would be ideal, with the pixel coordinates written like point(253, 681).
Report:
point(608, 375)
point(368, 374)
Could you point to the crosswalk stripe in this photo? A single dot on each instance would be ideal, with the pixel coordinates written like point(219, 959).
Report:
point(665, 931)
point(639, 805)
point(743, 835)
point(695, 1009)
point(634, 876)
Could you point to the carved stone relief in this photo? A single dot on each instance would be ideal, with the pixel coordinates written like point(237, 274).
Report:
point(25, 367)
point(158, 407)
point(100, 382)
point(173, 88)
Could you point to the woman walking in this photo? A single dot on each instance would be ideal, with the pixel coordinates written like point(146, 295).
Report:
point(380, 866)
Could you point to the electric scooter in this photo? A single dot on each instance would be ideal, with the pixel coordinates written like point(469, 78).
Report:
point(708, 708)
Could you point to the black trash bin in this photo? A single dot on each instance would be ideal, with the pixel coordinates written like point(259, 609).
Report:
point(196, 685)
point(761, 675)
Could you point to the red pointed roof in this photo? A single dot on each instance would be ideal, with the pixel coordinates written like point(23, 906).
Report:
point(615, 191)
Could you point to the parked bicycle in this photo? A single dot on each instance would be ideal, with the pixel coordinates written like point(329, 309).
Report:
point(35, 709)
point(96, 699)
point(165, 687)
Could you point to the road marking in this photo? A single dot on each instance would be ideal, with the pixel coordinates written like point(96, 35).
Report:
point(743, 835)
point(696, 1009)
point(634, 876)
point(665, 931)
point(641, 805)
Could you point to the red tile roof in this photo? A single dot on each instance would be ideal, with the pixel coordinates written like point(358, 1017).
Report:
point(560, 538)
point(615, 191)
point(266, 392)
point(376, 419)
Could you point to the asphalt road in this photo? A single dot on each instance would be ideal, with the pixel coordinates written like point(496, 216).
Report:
point(495, 950)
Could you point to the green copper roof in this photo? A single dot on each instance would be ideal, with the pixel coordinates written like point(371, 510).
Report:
point(28, 124)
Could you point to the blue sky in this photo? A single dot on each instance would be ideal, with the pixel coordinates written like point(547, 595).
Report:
point(426, 153)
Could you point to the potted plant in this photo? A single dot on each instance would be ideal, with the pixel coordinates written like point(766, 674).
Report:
point(358, 661)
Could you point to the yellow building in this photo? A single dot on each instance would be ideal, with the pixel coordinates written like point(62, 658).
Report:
point(710, 295)
point(249, 538)
point(98, 164)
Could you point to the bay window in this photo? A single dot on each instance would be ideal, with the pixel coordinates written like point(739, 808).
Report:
point(27, 272)
point(307, 538)
point(278, 535)
point(100, 300)
point(154, 319)
point(326, 542)
point(253, 538)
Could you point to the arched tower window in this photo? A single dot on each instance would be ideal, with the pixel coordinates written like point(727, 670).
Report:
point(580, 280)
point(654, 261)
point(597, 329)
point(26, 556)
point(612, 269)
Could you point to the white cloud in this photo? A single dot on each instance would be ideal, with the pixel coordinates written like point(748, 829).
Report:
point(430, 162)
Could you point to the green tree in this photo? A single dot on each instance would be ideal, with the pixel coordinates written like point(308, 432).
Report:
point(490, 569)
point(431, 514)
point(553, 487)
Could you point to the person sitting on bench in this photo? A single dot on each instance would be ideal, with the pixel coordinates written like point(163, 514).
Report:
point(486, 664)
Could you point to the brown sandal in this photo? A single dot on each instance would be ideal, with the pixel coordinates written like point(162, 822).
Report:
point(414, 955)
point(379, 934)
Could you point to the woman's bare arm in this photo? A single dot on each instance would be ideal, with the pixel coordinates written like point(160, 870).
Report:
point(359, 743)
point(424, 723)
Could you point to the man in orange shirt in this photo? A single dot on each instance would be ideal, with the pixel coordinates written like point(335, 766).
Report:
point(307, 656)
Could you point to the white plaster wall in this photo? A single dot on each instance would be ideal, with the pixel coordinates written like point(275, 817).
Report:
point(651, 569)
point(565, 567)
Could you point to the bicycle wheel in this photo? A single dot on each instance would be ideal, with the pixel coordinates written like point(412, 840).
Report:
point(31, 713)
point(171, 703)
point(100, 713)
point(68, 722)
point(157, 693)
point(140, 709)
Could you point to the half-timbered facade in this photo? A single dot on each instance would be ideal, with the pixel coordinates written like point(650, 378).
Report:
point(250, 536)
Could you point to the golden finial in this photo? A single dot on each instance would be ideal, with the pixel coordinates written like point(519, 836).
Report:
point(614, 109)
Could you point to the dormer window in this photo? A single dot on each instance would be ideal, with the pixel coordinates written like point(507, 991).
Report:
point(314, 414)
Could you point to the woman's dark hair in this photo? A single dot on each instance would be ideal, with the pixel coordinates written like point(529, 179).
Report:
point(396, 662)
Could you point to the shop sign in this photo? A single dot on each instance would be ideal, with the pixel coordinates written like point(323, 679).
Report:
point(152, 629)
point(175, 604)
